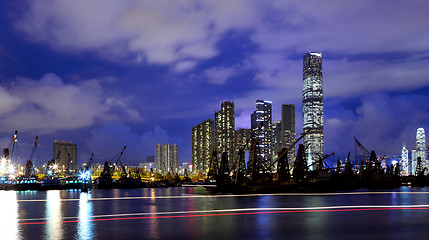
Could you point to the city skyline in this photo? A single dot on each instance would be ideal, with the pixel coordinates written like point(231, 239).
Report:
point(105, 75)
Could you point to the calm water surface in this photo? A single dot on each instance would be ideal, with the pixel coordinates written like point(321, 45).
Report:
point(191, 213)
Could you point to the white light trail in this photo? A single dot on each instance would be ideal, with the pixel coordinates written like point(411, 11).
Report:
point(225, 195)
point(240, 210)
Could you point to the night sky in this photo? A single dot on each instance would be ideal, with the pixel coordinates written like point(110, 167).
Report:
point(104, 74)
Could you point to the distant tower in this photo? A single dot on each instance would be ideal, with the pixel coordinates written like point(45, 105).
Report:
point(312, 106)
point(288, 129)
point(421, 146)
point(404, 162)
point(225, 131)
point(202, 145)
point(65, 155)
point(262, 119)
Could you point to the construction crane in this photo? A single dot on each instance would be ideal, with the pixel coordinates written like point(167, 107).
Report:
point(123, 173)
point(29, 166)
point(283, 168)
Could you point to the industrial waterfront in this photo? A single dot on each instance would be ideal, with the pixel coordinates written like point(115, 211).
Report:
point(191, 213)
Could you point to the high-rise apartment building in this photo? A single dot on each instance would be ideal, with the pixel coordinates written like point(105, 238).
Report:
point(312, 106)
point(421, 147)
point(202, 145)
point(225, 131)
point(167, 158)
point(262, 124)
point(65, 155)
point(288, 129)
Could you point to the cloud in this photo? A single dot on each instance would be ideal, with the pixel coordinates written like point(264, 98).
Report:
point(159, 32)
point(219, 75)
point(48, 105)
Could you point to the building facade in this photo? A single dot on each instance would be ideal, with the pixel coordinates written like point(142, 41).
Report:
point(277, 138)
point(65, 155)
point(312, 106)
point(167, 158)
point(405, 169)
point(225, 131)
point(262, 129)
point(421, 147)
point(288, 130)
point(202, 145)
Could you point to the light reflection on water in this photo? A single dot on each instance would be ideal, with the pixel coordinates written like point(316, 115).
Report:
point(85, 226)
point(54, 227)
point(153, 224)
point(9, 215)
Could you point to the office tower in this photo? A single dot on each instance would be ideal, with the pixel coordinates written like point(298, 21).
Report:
point(202, 145)
point(225, 131)
point(277, 138)
point(312, 106)
point(288, 129)
point(263, 130)
point(421, 147)
point(413, 161)
point(404, 162)
point(167, 158)
point(65, 155)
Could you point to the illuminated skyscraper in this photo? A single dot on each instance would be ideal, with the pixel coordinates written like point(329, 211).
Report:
point(225, 131)
point(312, 106)
point(202, 145)
point(288, 129)
point(421, 146)
point(262, 123)
point(404, 162)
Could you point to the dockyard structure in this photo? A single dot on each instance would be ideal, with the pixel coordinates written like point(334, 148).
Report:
point(65, 156)
point(312, 106)
point(167, 158)
point(225, 131)
point(202, 145)
point(261, 123)
point(288, 129)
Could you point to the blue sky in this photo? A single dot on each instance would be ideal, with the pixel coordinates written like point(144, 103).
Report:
point(105, 74)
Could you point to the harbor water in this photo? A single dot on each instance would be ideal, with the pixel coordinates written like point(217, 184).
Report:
point(192, 213)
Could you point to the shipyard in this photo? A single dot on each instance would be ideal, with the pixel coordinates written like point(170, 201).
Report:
point(227, 119)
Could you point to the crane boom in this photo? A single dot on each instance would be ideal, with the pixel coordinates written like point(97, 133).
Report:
point(120, 155)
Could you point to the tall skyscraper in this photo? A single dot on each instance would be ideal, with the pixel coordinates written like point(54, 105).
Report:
point(65, 155)
point(404, 162)
point(421, 147)
point(312, 106)
point(262, 123)
point(167, 158)
point(225, 131)
point(288, 129)
point(202, 145)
